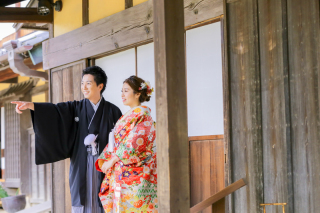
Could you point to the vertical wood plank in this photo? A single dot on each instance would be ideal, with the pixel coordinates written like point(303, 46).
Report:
point(206, 180)
point(170, 73)
point(245, 99)
point(304, 65)
point(77, 77)
point(128, 4)
point(226, 109)
point(85, 12)
point(216, 166)
point(206, 170)
point(195, 170)
point(67, 85)
point(277, 160)
point(58, 168)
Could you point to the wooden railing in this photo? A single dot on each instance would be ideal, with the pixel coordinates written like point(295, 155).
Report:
point(218, 196)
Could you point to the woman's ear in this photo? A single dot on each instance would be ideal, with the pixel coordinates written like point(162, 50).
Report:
point(137, 95)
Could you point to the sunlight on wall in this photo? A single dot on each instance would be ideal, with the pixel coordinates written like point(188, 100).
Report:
point(70, 17)
point(23, 78)
point(99, 9)
point(39, 98)
point(4, 86)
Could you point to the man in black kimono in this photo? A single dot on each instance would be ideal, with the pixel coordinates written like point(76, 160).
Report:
point(63, 131)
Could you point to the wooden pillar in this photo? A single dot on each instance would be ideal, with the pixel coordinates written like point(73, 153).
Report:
point(245, 113)
point(171, 100)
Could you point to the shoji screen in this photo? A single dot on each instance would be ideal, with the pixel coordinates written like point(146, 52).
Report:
point(145, 59)
point(118, 67)
point(204, 80)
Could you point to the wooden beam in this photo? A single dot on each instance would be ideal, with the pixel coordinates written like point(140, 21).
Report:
point(171, 99)
point(128, 3)
point(23, 15)
point(206, 137)
point(10, 81)
point(85, 12)
point(223, 193)
point(122, 30)
point(7, 74)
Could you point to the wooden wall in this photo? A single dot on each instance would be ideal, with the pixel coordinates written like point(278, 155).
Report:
point(65, 86)
point(272, 60)
point(206, 170)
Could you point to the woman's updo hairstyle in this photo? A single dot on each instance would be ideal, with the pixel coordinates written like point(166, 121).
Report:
point(135, 83)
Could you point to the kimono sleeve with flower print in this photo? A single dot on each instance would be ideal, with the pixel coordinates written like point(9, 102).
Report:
point(135, 148)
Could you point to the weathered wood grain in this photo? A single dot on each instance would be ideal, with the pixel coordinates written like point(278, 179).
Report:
point(68, 95)
point(171, 100)
point(245, 99)
point(66, 86)
point(304, 66)
point(199, 10)
point(226, 110)
point(277, 166)
point(77, 77)
point(122, 30)
point(117, 31)
point(58, 168)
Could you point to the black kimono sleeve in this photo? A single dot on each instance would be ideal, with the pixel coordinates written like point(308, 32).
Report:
point(55, 127)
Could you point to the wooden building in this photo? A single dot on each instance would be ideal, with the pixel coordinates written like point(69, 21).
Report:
point(18, 169)
point(236, 93)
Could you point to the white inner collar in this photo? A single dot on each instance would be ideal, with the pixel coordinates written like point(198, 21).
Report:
point(95, 106)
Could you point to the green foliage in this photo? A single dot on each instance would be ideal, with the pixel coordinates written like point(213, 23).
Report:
point(3, 193)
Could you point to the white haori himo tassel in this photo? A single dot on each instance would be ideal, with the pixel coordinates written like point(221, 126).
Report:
point(111, 141)
point(90, 140)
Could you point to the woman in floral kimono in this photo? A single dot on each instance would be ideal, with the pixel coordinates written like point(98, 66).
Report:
point(129, 162)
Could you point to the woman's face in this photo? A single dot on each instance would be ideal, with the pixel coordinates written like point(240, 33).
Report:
point(128, 96)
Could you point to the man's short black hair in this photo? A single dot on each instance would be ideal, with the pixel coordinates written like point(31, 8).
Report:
point(99, 75)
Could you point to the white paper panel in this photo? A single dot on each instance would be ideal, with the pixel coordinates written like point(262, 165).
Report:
point(118, 67)
point(146, 72)
point(204, 77)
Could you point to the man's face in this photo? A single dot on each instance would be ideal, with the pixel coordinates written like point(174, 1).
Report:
point(89, 87)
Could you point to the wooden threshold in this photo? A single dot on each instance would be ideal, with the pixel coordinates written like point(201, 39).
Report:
point(206, 137)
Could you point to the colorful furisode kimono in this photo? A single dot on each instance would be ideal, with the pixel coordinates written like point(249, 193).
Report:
point(131, 184)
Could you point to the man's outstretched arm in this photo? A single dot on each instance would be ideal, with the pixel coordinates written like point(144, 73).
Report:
point(22, 105)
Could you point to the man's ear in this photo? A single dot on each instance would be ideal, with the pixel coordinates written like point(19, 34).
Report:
point(100, 86)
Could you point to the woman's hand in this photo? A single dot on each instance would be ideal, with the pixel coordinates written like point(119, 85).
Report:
point(108, 164)
point(22, 105)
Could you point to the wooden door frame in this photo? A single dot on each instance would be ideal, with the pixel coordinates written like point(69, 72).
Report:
point(64, 170)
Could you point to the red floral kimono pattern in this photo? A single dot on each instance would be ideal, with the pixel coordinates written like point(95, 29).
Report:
point(131, 184)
